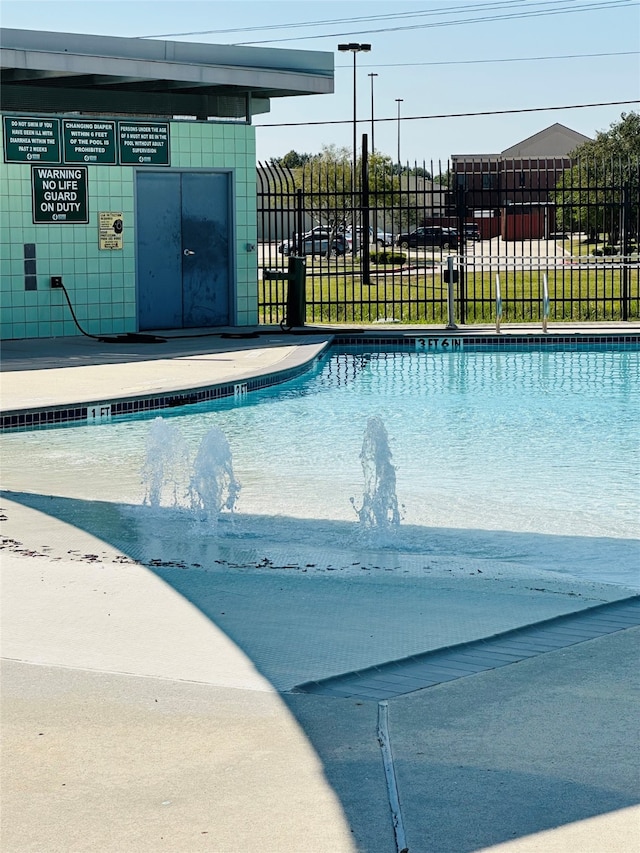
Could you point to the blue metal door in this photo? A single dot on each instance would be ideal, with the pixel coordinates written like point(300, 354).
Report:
point(159, 250)
point(183, 248)
point(205, 249)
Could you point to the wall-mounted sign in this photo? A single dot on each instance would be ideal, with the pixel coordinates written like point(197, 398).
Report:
point(89, 141)
point(110, 230)
point(28, 139)
point(59, 194)
point(106, 143)
point(143, 144)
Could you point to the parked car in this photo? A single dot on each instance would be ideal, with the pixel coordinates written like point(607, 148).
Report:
point(471, 231)
point(381, 239)
point(315, 242)
point(431, 236)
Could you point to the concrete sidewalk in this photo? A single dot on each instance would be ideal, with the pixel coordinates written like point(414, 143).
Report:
point(81, 370)
point(145, 706)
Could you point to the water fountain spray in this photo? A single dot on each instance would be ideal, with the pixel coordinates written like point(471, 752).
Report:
point(380, 504)
point(213, 486)
point(166, 464)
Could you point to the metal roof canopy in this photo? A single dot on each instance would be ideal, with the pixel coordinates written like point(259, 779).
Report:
point(70, 72)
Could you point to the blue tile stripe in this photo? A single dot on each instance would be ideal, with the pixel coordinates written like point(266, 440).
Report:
point(417, 672)
point(39, 418)
point(470, 342)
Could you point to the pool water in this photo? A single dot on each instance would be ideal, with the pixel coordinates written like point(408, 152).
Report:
point(517, 442)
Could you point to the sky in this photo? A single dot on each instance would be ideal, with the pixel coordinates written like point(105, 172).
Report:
point(436, 62)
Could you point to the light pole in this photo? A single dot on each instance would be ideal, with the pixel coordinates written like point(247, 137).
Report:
point(398, 102)
point(355, 49)
point(371, 76)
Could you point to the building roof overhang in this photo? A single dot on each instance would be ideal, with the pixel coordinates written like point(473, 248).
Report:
point(58, 72)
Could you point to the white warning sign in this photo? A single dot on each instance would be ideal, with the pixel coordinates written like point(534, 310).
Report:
point(111, 228)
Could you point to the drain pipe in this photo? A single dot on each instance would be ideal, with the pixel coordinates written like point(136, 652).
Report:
point(498, 304)
point(545, 302)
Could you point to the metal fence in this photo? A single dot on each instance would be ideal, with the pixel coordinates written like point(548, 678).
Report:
point(530, 239)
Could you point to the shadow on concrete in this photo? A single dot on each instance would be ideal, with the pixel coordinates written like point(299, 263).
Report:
point(48, 353)
point(479, 761)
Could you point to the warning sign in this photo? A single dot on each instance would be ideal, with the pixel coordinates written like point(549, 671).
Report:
point(59, 194)
point(111, 227)
point(143, 144)
point(89, 141)
point(27, 138)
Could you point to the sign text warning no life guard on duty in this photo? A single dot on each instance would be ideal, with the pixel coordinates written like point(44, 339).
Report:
point(59, 194)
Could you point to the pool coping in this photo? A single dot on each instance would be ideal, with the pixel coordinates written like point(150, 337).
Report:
point(140, 403)
point(280, 360)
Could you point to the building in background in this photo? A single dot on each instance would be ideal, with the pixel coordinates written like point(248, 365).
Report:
point(508, 193)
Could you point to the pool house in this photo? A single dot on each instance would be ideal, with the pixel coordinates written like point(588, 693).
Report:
point(128, 180)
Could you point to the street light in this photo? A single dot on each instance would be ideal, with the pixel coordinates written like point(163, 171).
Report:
point(355, 49)
point(398, 102)
point(371, 76)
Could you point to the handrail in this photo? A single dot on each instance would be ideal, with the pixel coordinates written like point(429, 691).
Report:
point(498, 304)
point(545, 302)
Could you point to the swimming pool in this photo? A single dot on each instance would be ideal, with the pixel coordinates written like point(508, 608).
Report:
point(527, 458)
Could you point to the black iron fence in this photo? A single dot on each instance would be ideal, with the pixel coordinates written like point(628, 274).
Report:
point(530, 239)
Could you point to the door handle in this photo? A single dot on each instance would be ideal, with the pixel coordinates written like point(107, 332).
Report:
point(188, 252)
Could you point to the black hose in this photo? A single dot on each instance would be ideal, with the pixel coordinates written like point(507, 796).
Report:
point(128, 337)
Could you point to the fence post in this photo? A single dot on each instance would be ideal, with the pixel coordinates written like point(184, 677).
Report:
point(299, 214)
point(625, 219)
point(364, 178)
point(461, 210)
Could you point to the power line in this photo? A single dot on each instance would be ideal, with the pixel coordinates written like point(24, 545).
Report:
point(418, 13)
point(452, 115)
point(493, 61)
point(351, 20)
point(486, 19)
point(475, 8)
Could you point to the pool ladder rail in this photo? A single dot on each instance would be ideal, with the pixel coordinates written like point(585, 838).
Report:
point(545, 303)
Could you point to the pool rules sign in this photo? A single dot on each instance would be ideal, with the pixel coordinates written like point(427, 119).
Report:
point(59, 194)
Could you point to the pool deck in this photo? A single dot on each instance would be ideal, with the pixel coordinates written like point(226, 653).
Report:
point(152, 709)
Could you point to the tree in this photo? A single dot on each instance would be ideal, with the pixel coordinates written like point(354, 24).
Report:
point(326, 183)
point(600, 193)
point(420, 171)
point(443, 178)
point(293, 160)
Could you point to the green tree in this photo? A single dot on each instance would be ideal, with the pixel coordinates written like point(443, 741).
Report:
point(420, 171)
point(326, 183)
point(604, 181)
point(294, 160)
point(443, 178)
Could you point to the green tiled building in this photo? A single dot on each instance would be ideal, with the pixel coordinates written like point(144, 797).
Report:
point(129, 175)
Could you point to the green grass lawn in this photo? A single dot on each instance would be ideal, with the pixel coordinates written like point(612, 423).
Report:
point(335, 293)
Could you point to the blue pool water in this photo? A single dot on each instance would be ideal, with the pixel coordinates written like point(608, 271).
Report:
point(541, 445)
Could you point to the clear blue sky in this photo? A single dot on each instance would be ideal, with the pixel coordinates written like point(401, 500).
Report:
point(440, 56)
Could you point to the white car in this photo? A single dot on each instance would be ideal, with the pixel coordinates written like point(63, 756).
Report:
point(315, 242)
point(381, 239)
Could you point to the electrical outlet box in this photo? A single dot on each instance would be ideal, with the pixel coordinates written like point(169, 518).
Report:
point(56, 281)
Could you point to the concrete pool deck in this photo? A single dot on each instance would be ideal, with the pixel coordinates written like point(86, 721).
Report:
point(139, 706)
